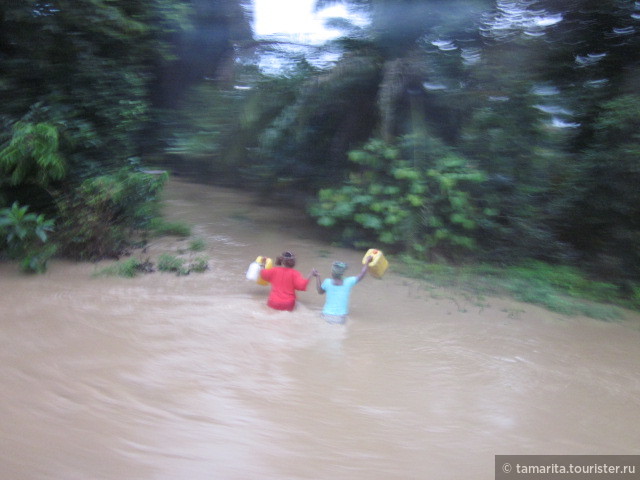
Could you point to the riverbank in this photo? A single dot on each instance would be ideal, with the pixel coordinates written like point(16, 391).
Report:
point(559, 289)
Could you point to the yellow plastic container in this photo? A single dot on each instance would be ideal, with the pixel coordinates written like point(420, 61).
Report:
point(268, 263)
point(378, 265)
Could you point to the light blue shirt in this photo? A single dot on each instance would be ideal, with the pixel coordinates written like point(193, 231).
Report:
point(337, 302)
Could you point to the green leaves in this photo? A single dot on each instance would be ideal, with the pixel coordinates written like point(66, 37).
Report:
point(18, 225)
point(32, 155)
point(368, 220)
point(375, 154)
point(604, 196)
point(401, 206)
point(85, 66)
point(103, 215)
point(26, 235)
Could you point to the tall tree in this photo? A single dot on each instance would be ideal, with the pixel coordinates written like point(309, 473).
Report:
point(219, 30)
point(85, 66)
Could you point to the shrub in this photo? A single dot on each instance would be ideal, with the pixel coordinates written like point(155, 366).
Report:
point(26, 237)
point(160, 227)
point(128, 268)
point(422, 205)
point(32, 155)
point(603, 214)
point(199, 264)
point(105, 214)
point(635, 296)
point(197, 245)
point(170, 263)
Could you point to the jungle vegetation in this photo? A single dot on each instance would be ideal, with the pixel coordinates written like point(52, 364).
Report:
point(490, 132)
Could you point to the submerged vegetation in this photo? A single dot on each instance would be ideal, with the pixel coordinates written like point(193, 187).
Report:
point(128, 268)
point(463, 135)
point(159, 226)
point(181, 263)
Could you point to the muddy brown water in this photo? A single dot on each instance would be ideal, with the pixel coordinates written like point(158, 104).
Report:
point(166, 377)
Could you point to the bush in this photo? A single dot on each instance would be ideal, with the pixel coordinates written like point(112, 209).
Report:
point(199, 265)
point(160, 227)
point(169, 263)
point(197, 245)
point(422, 205)
point(128, 268)
point(603, 214)
point(25, 236)
point(32, 155)
point(106, 214)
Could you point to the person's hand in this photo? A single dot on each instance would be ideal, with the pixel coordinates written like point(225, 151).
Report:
point(314, 272)
point(368, 260)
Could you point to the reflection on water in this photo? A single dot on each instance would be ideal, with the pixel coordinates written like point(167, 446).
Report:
point(165, 377)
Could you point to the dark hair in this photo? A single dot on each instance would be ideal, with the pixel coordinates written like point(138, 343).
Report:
point(287, 259)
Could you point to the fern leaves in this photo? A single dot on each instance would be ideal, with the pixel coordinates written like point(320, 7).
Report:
point(32, 155)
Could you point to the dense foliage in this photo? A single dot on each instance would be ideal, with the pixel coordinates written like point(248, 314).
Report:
point(487, 130)
point(83, 86)
point(26, 236)
point(493, 130)
point(104, 214)
point(423, 205)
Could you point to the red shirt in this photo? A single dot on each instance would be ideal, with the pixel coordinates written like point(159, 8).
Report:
point(284, 283)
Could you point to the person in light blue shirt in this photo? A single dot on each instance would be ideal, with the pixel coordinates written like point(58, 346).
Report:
point(338, 290)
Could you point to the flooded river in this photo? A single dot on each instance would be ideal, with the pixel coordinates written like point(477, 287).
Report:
point(194, 377)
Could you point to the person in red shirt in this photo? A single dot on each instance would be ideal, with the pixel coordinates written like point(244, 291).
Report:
point(285, 280)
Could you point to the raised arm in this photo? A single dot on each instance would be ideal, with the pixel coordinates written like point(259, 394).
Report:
point(365, 267)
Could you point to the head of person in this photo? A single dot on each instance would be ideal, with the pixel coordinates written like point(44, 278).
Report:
point(287, 259)
point(338, 269)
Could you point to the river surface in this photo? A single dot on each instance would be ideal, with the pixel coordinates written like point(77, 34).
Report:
point(193, 377)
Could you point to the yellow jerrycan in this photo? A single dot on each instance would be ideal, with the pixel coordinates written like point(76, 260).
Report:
point(268, 263)
point(378, 265)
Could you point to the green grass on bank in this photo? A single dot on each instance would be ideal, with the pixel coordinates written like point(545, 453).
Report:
point(561, 289)
point(160, 227)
